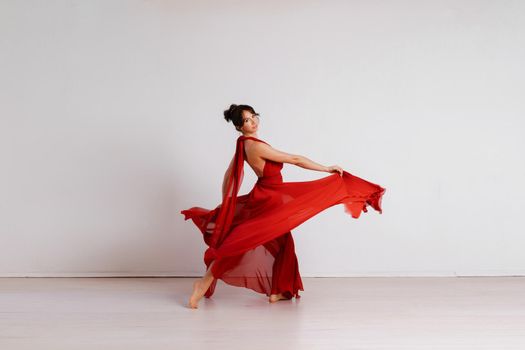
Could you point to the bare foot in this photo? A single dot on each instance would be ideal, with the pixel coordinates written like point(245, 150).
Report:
point(276, 297)
point(198, 293)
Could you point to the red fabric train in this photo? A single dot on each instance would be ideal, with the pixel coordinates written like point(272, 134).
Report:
point(249, 236)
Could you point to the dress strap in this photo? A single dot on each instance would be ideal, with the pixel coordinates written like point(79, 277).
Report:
point(225, 215)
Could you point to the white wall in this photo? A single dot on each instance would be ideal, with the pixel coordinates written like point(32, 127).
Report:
point(111, 123)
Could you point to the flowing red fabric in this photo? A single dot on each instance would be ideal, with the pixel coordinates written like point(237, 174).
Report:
point(249, 236)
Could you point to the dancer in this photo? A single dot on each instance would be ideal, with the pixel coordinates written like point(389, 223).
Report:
point(249, 236)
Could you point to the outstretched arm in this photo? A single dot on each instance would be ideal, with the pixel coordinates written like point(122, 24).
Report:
point(268, 152)
point(307, 163)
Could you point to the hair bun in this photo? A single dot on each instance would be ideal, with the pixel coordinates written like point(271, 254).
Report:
point(228, 112)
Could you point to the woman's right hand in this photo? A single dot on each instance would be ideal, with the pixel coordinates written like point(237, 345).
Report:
point(335, 168)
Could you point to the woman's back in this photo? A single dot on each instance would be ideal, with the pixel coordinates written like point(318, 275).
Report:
point(253, 159)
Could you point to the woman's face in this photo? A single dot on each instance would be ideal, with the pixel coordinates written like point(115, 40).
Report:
point(250, 122)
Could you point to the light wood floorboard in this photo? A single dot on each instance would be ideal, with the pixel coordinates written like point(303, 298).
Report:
point(333, 313)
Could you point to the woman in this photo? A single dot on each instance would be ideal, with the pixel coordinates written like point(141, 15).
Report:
point(249, 236)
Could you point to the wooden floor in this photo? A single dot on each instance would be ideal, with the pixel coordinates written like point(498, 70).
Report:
point(333, 313)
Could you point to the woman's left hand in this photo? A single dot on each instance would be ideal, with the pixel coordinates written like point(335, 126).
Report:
point(335, 168)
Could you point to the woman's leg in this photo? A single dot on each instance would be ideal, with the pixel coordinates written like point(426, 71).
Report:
point(200, 287)
point(286, 280)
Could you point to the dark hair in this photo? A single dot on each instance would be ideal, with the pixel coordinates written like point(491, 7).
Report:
point(234, 113)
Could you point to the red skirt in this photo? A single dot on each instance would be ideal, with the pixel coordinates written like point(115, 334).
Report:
point(258, 252)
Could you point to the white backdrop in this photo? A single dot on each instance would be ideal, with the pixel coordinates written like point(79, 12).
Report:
point(111, 123)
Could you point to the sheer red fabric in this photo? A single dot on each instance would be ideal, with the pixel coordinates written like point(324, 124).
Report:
point(249, 236)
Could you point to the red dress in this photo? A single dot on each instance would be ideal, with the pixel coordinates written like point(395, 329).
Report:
point(249, 236)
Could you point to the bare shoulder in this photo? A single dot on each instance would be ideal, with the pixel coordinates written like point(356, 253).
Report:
point(249, 146)
point(249, 142)
point(254, 147)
